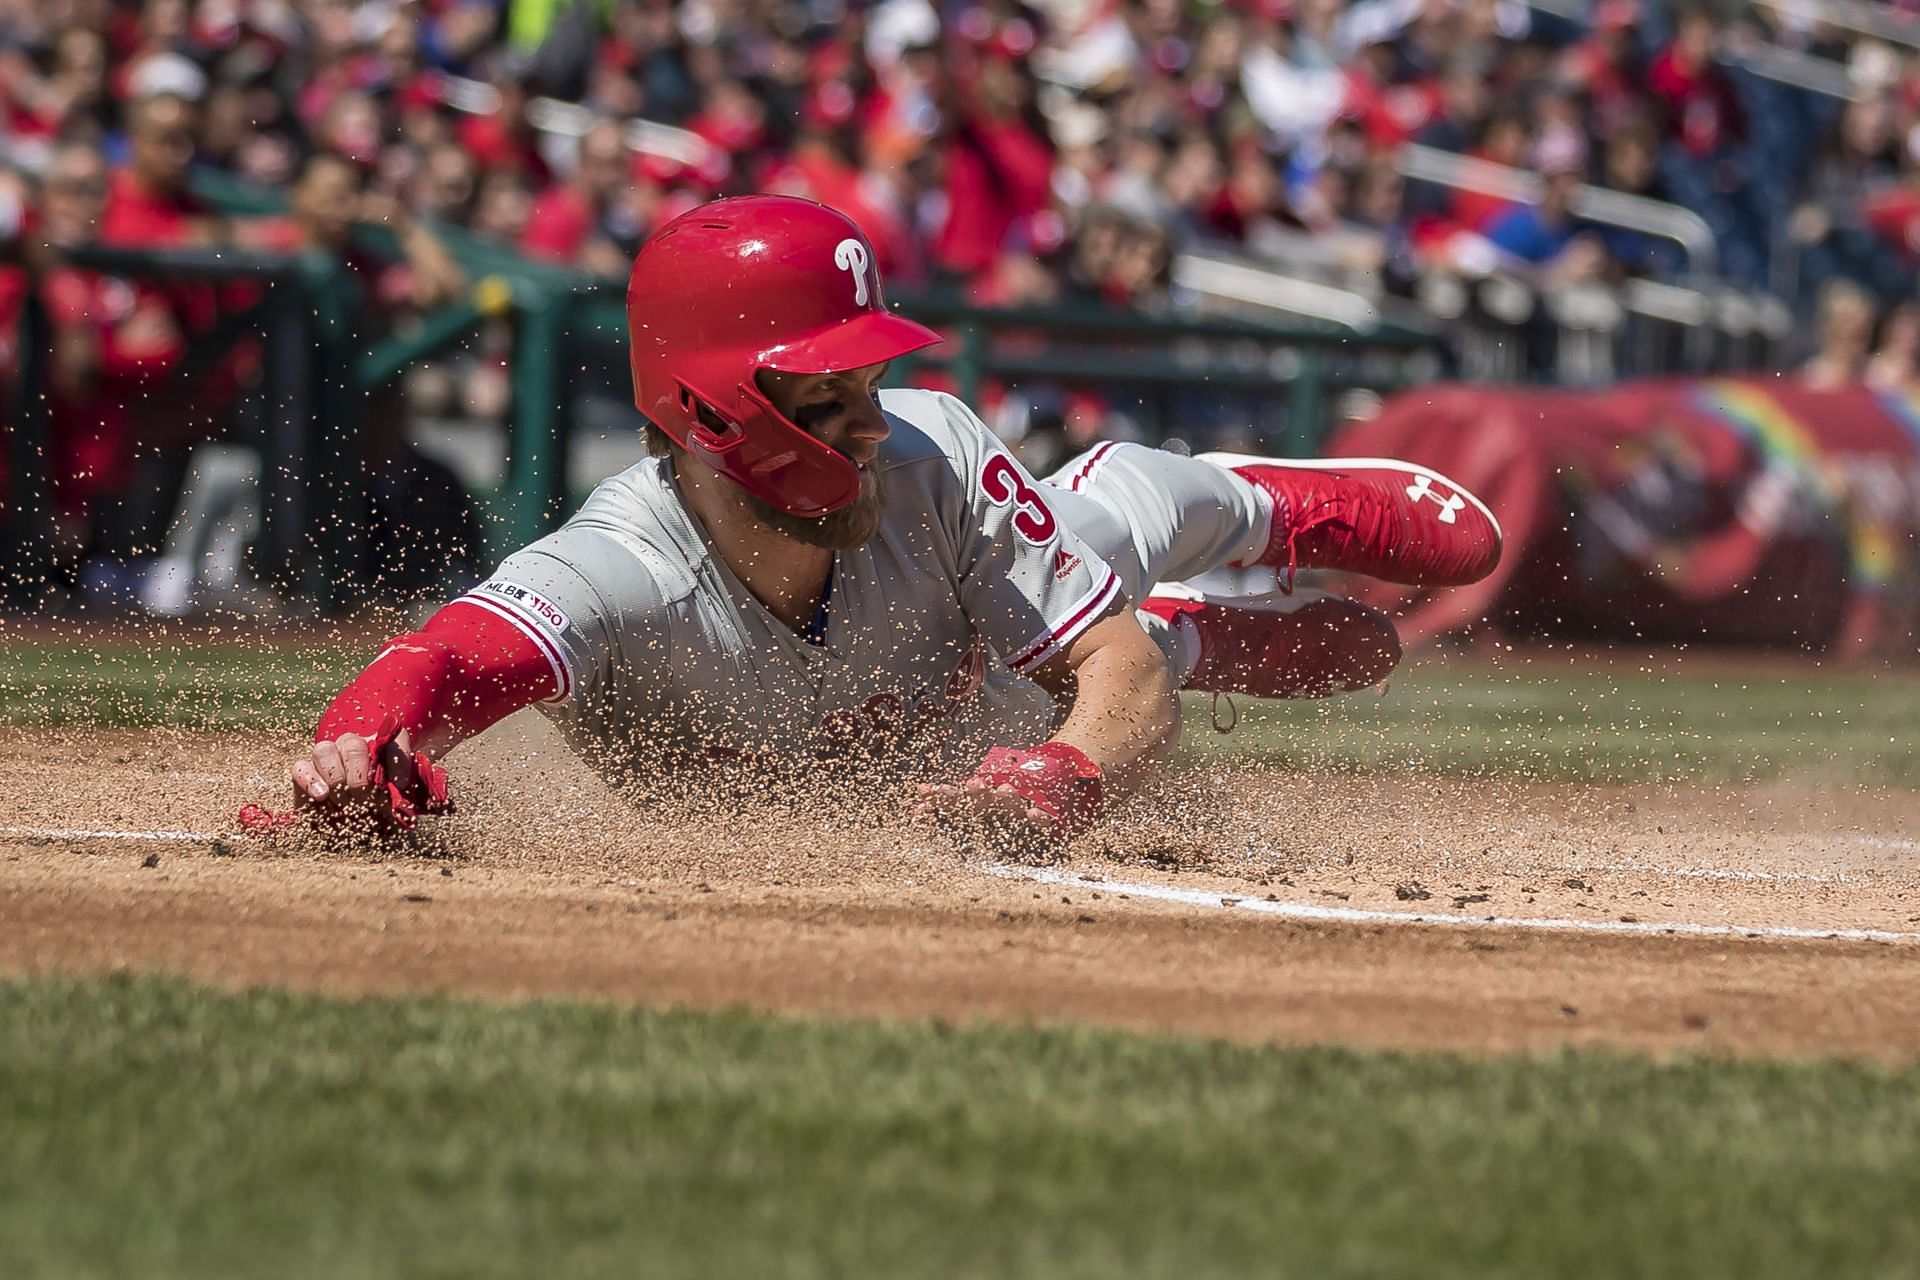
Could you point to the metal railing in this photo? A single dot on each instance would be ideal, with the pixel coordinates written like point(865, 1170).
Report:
point(1793, 68)
point(1771, 62)
point(1851, 15)
point(1150, 366)
point(571, 120)
point(1232, 280)
point(1596, 204)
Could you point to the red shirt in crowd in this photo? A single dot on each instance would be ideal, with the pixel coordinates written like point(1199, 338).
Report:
point(144, 328)
point(493, 146)
point(92, 442)
point(563, 221)
point(999, 172)
point(137, 216)
point(1894, 215)
point(1390, 114)
point(1475, 210)
point(1702, 109)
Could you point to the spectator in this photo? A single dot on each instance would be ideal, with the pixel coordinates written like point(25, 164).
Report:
point(1546, 236)
point(73, 200)
point(1631, 166)
point(94, 336)
point(71, 101)
point(1191, 184)
point(1702, 110)
point(1601, 67)
point(329, 200)
point(503, 140)
point(148, 203)
point(1895, 364)
point(1462, 115)
point(1504, 141)
point(1850, 176)
point(1845, 329)
point(1141, 269)
point(1379, 239)
point(999, 166)
point(121, 414)
point(445, 184)
point(592, 219)
point(1119, 260)
point(503, 206)
point(1251, 203)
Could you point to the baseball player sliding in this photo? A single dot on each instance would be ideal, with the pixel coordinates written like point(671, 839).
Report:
point(807, 568)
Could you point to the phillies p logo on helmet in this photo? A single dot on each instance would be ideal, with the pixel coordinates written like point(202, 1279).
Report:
point(851, 255)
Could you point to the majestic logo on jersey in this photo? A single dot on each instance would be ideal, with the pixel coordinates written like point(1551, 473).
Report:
point(1002, 481)
point(1450, 503)
point(851, 255)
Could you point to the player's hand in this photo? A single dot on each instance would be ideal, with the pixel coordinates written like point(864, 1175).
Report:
point(1021, 802)
point(379, 782)
point(340, 772)
point(998, 818)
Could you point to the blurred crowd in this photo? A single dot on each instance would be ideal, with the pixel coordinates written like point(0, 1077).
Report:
point(1023, 150)
point(1859, 341)
point(1010, 153)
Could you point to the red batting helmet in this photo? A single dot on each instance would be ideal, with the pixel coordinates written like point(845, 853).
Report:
point(751, 283)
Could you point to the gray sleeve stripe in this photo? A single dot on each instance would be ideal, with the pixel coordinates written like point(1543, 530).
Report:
point(562, 676)
point(1084, 613)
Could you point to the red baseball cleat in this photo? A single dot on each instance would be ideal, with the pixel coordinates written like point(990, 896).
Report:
point(1391, 520)
point(1305, 645)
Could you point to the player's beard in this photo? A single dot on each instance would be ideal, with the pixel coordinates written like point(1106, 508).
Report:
point(839, 530)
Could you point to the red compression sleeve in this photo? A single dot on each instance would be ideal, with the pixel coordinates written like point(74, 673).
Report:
point(464, 670)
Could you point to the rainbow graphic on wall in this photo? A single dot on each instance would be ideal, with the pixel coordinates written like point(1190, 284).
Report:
point(1873, 548)
point(1775, 433)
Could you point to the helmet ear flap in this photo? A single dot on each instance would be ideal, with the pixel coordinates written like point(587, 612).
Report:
point(712, 430)
point(755, 446)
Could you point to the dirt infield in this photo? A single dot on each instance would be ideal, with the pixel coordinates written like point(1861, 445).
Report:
point(548, 884)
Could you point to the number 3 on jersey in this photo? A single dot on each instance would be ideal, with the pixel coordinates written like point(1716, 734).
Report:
point(1033, 520)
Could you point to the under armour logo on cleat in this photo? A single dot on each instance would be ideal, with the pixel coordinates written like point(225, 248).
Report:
point(1450, 504)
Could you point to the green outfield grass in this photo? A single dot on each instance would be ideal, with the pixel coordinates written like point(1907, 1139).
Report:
point(183, 677)
point(153, 1128)
point(1556, 719)
point(1537, 715)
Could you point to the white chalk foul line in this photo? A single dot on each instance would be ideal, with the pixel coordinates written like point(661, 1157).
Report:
point(1225, 901)
point(75, 833)
point(1361, 915)
point(1881, 842)
point(1713, 873)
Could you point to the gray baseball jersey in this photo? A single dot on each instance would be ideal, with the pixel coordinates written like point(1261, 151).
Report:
point(660, 654)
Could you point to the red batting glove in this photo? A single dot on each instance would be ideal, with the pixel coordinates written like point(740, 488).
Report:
point(1057, 779)
point(411, 785)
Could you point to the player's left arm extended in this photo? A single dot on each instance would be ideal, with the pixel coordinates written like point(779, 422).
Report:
point(1123, 710)
point(1123, 714)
